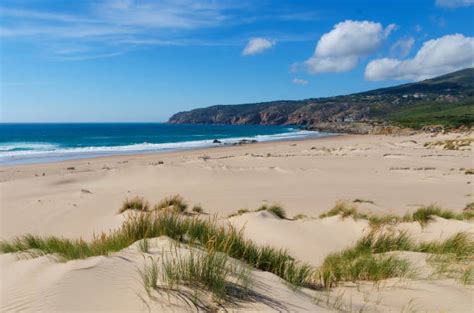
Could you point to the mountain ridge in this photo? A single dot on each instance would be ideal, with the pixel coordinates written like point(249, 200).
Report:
point(447, 100)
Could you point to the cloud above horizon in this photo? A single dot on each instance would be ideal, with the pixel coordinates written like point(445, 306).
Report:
point(340, 49)
point(436, 57)
point(257, 45)
point(454, 3)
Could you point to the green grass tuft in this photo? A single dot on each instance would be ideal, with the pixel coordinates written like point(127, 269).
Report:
point(209, 271)
point(425, 214)
point(137, 203)
point(149, 276)
point(460, 245)
point(274, 208)
point(175, 203)
point(366, 260)
point(344, 210)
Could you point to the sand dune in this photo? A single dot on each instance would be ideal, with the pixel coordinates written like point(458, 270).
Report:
point(113, 283)
point(387, 174)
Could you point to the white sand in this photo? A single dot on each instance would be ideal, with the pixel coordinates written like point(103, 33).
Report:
point(398, 174)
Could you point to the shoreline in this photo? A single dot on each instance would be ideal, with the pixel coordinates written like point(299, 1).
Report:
point(153, 153)
point(70, 154)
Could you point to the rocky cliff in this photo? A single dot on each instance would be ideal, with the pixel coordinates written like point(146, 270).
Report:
point(446, 100)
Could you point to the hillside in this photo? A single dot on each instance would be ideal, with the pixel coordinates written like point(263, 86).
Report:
point(446, 100)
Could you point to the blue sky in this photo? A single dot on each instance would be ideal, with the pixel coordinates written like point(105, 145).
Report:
point(143, 60)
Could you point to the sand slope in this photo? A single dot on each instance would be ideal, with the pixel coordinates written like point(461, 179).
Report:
point(113, 284)
point(313, 239)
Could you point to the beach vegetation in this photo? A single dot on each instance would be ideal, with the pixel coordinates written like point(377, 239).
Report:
point(299, 217)
point(368, 259)
point(197, 209)
point(144, 246)
point(137, 203)
point(344, 209)
point(208, 270)
point(376, 220)
point(192, 230)
point(273, 208)
point(423, 215)
point(450, 144)
point(175, 203)
point(239, 212)
point(149, 275)
point(362, 262)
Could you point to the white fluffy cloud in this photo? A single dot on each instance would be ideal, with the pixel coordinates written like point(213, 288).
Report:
point(454, 3)
point(436, 57)
point(340, 49)
point(257, 45)
point(300, 81)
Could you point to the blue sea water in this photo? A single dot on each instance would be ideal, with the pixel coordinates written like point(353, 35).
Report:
point(37, 143)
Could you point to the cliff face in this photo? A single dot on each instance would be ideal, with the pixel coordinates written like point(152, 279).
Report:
point(447, 100)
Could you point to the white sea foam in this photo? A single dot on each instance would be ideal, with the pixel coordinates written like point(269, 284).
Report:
point(39, 152)
point(39, 146)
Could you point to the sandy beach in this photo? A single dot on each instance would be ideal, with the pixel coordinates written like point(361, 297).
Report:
point(382, 174)
point(398, 174)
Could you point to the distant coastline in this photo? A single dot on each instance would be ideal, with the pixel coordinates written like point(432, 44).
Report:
point(446, 101)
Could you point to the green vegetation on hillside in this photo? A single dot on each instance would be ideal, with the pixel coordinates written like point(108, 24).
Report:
point(434, 113)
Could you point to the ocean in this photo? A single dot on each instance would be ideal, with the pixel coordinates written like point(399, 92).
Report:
point(39, 143)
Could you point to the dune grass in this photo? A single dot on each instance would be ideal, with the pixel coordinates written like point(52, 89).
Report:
point(136, 203)
point(450, 144)
point(175, 202)
point(300, 217)
point(453, 257)
point(423, 215)
point(344, 209)
point(366, 260)
point(273, 208)
point(150, 275)
point(362, 262)
point(460, 245)
point(208, 270)
point(239, 212)
point(226, 239)
point(197, 209)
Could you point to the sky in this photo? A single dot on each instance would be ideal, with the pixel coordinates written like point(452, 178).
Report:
point(143, 60)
